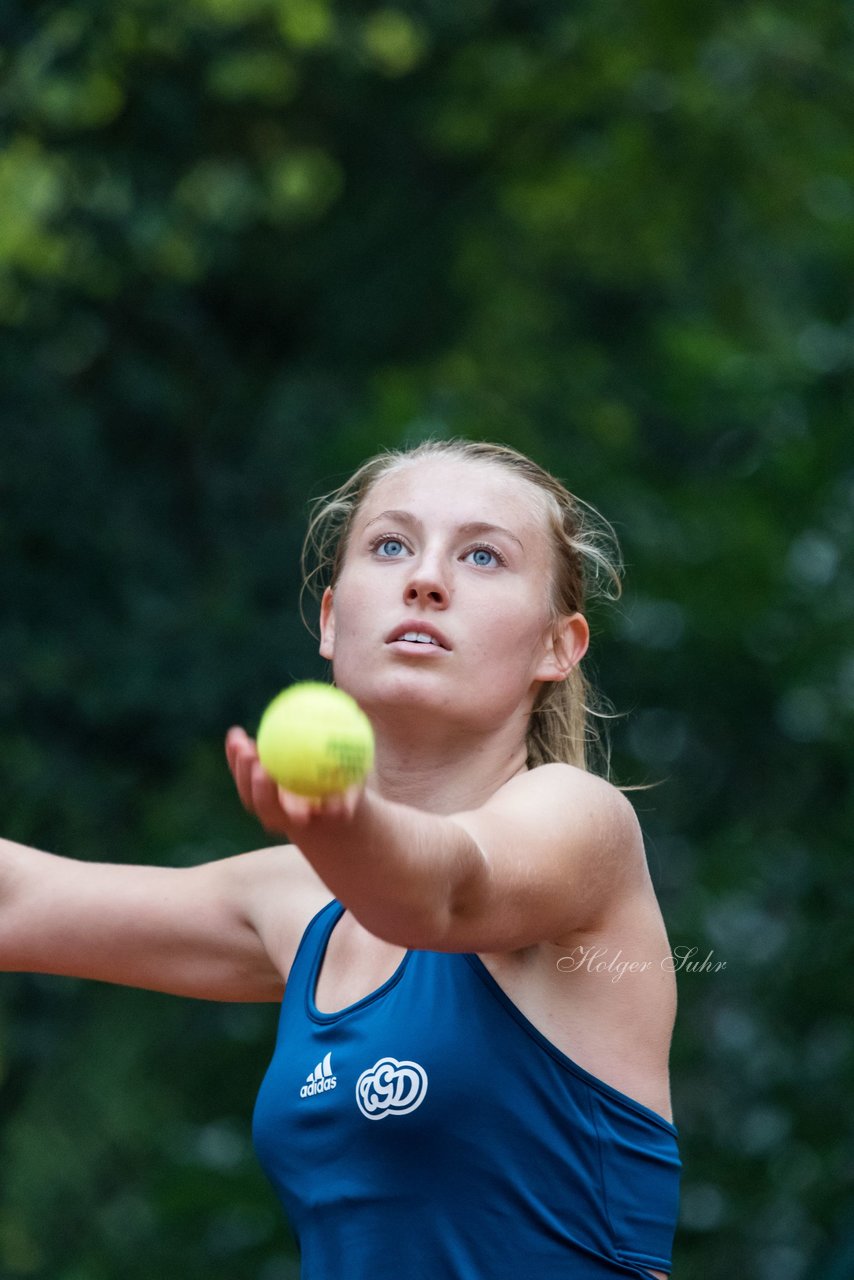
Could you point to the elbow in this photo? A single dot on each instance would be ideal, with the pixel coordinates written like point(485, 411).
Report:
point(446, 883)
point(418, 927)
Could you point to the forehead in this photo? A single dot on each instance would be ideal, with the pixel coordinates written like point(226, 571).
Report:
point(466, 490)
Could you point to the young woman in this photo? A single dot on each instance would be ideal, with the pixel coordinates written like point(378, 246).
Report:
point(460, 1088)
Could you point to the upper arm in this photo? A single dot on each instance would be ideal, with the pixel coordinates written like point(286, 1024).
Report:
point(205, 931)
point(557, 847)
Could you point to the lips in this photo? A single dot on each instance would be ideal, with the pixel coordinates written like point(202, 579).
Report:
point(419, 633)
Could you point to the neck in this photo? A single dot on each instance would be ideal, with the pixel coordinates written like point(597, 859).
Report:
point(446, 771)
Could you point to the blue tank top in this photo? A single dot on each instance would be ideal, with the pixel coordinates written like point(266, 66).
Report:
point(430, 1130)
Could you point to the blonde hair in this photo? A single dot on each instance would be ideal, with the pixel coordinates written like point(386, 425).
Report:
point(565, 719)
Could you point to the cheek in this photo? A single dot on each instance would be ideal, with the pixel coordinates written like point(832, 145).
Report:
point(532, 609)
point(351, 615)
point(516, 641)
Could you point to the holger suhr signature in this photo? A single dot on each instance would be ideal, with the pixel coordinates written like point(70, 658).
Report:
point(600, 960)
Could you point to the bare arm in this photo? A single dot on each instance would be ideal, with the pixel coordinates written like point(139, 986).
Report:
point(551, 852)
point(224, 930)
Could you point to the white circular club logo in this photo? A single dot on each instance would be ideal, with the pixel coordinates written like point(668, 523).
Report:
point(390, 1088)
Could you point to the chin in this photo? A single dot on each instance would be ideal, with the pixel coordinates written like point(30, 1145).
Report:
point(411, 691)
point(395, 687)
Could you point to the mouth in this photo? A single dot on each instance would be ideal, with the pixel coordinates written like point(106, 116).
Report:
point(423, 636)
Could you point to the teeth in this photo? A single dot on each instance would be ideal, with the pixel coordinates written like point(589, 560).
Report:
point(418, 637)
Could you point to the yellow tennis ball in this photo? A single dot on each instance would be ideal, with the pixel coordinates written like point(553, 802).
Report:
point(314, 740)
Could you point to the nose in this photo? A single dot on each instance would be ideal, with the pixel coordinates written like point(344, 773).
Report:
point(426, 585)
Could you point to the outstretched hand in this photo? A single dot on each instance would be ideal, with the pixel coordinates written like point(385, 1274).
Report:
point(278, 810)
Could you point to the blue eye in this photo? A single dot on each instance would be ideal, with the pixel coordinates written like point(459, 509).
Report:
point(483, 557)
point(390, 548)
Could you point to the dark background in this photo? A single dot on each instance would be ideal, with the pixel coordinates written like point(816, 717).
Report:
point(245, 243)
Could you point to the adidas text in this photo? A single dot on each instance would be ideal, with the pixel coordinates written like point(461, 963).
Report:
point(320, 1080)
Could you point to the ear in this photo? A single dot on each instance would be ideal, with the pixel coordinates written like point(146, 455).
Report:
point(327, 626)
point(566, 643)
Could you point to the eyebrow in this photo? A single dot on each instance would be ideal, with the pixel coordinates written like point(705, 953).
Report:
point(471, 528)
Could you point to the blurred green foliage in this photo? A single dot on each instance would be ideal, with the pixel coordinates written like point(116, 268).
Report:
point(244, 243)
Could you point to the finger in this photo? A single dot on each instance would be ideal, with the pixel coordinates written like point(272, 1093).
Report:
point(245, 759)
point(343, 803)
point(233, 739)
point(298, 809)
point(307, 809)
point(265, 800)
point(351, 798)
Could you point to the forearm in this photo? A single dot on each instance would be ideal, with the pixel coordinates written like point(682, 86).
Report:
point(14, 859)
point(400, 871)
point(18, 864)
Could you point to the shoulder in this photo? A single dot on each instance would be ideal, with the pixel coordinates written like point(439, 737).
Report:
point(559, 848)
point(577, 807)
point(565, 780)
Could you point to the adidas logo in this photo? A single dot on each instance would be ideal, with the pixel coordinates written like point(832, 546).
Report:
point(320, 1080)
